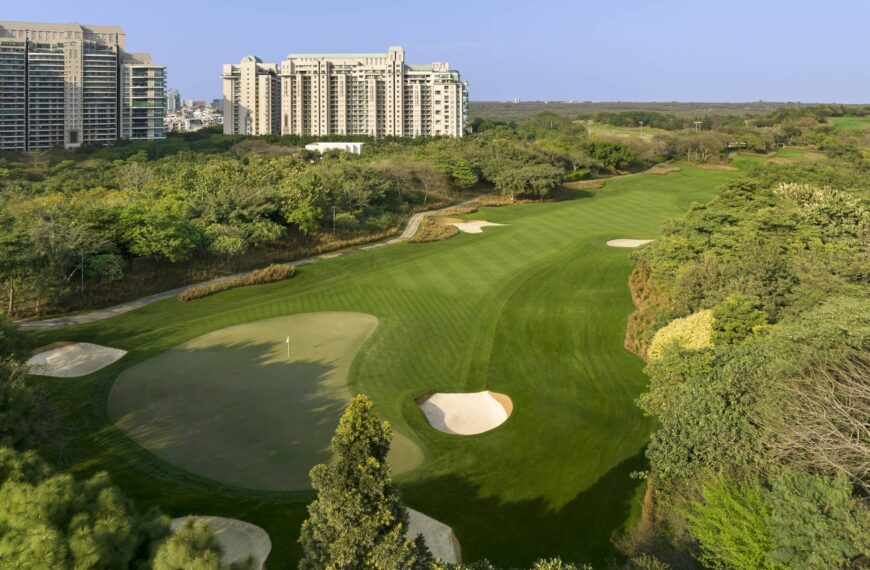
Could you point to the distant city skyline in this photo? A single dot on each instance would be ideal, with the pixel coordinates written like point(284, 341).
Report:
point(622, 50)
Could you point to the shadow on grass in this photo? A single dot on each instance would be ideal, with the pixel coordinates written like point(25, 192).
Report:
point(241, 414)
point(518, 533)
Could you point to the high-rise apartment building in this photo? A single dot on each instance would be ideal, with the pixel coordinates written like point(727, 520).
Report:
point(251, 100)
point(68, 84)
point(143, 97)
point(374, 94)
point(173, 100)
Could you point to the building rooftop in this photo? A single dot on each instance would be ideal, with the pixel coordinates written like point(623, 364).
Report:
point(141, 58)
point(350, 55)
point(71, 27)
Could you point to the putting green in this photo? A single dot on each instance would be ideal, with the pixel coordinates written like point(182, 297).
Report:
point(231, 406)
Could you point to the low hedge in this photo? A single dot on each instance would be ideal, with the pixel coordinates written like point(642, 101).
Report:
point(271, 274)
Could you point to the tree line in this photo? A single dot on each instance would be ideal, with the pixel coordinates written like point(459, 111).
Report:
point(104, 224)
point(754, 316)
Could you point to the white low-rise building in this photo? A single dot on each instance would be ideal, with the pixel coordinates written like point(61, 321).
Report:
point(349, 147)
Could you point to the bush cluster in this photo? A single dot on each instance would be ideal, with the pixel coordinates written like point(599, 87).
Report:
point(758, 371)
point(271, 274)
point(693, 332)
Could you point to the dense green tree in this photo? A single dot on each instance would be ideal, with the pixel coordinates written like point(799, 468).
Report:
point(193, 546)
point(532, 181)
point(156, 232)
point(54, 521)
point(736, 318)
point(816, 523)
point(104, 267)
point(357, 520)
point(18, 407)
point(731, 525)
point(612, 155)
point(9, 337)
point(305, 201)
point(15, 257)
point(543, 564)
point(462, 173)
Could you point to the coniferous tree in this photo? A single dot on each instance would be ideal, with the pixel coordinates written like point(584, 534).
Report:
point(194, 547)
point(357, 520)
point(51, 520)
point(17, 406)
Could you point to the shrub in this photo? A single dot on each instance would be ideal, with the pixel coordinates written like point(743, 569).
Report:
point(736, 318)
point(432, 230)
point(731, 524)
point(9, 337)
point(815, 522)
point(653, 305)
point(271, 274)
point(693, 332)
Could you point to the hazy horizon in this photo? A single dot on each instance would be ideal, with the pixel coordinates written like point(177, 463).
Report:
point(624, 51)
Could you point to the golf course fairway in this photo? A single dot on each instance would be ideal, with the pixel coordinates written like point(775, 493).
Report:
point(534, 309)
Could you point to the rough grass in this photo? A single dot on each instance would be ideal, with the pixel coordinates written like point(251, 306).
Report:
point(719, 167)
point(536, 311)
point(433, 230)
point(850, 123)
point(651, 301)
point(585, 184)
point(271, 274)
point(662, 169)
point(770, 154)
point(623, 133)
point(794, 154)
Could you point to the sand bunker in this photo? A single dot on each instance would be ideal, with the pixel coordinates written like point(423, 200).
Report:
point(238, 539)
point(438, 536)
point(472, 226)
point(70, 360)
point(466, 414)
point(628, 242)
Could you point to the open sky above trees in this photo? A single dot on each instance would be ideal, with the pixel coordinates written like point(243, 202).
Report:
point(622, 50)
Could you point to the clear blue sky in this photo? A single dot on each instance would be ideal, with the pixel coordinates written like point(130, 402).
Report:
point(607, 50)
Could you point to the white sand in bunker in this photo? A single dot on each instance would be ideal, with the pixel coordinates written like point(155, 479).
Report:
point(438, 536)
point(628, 242)
point(70, 360)
point(239, 539)
point(469, 226)
point(466, 413)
